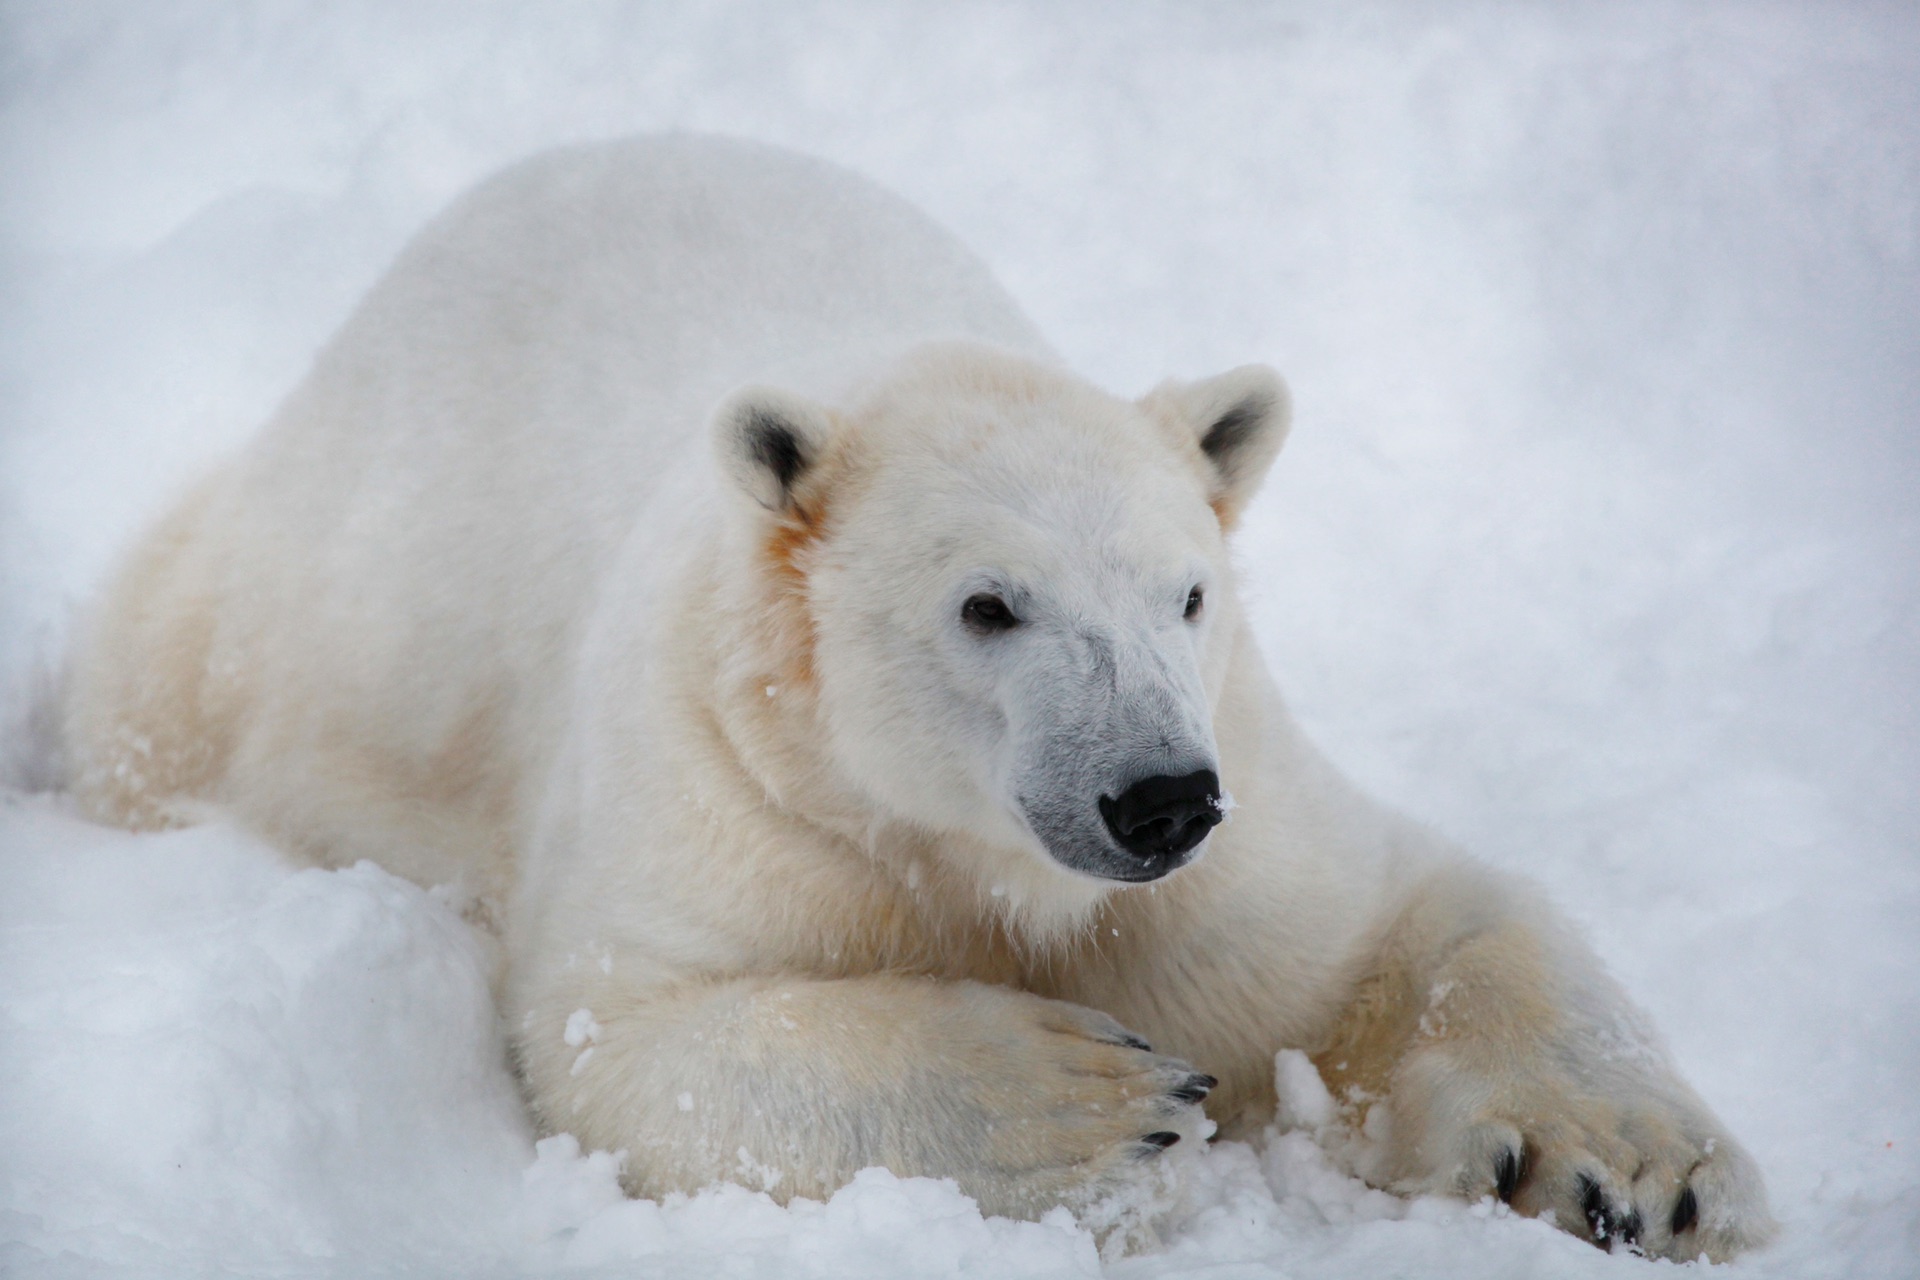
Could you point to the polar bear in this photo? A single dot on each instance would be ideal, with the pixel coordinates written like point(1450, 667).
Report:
point(843, 718)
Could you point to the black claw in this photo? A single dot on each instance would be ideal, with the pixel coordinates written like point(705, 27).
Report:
point(1160, 1141)
point(1685, 1211)
point(1194, 1088)
point(1608, 1224)
point(1594, 1204)
point(1508, 1168)
point(1132, 1041)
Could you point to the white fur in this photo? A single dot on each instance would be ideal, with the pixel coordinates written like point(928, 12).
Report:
point(794, 870)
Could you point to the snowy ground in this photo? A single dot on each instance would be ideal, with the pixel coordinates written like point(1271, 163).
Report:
point(1595, 544)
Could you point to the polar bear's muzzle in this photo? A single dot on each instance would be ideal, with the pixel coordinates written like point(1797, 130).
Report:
point(1115, 768)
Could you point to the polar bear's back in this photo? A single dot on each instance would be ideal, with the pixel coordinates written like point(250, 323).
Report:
point(579, 315)
point(360, 633)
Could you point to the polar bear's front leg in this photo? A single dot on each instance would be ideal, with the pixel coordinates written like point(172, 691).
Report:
point(793, 1086)
point(1511, 1065)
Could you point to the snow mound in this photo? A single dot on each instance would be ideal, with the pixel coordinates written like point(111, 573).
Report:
point(209, 1055)
point(215, 1063)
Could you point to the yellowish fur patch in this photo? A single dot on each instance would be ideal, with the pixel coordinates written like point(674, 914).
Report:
point(145, 735)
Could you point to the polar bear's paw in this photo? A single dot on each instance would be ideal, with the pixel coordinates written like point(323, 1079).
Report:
point(1082, 1109)
point(1631, 1160)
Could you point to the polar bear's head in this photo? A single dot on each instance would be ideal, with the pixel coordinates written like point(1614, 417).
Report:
point(1014, 594)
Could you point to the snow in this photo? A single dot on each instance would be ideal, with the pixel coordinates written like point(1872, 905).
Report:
point(1595, 544)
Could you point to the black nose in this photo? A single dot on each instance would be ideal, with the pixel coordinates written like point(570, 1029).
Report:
point(1164, 817)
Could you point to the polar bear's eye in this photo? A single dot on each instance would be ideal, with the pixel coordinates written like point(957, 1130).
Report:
point(988, 613)
point(1194, 599)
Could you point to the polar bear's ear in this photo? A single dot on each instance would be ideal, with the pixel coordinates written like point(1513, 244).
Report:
point(769, 442)
point(1237, 420)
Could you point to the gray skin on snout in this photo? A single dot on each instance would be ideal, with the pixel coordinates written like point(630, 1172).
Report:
point(1124, 720)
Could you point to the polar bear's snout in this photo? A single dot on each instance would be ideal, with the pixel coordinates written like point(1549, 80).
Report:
point(1159, 819)
point(1118, 774)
